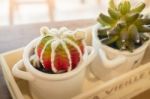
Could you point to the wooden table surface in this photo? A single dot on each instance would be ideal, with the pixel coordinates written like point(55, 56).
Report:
point(18, 36)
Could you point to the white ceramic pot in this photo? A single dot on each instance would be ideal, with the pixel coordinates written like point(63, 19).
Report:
point(111, 62)
point(52, 86)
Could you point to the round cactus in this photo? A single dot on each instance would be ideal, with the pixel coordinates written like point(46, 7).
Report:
point(60, 50)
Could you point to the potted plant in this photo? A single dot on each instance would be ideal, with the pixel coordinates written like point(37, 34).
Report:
point(120, 39)
point(55, 64)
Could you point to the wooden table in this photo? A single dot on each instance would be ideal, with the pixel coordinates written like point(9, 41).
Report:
point(18, 36)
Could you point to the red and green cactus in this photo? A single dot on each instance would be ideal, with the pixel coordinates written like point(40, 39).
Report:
point(60, 50)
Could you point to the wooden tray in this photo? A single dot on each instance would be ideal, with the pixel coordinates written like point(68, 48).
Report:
point(124, 87)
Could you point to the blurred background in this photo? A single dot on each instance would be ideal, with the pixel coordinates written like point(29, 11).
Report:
point(14, 12)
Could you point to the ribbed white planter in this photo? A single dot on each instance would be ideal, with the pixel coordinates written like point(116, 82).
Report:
point(111, 62)
point(52, 86)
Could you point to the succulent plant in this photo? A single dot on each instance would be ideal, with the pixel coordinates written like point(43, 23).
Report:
point(61, 50)
point(125, 28)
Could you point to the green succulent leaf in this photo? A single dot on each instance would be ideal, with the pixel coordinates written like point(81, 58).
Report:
point(131, 18)
point(114, 14)
point(124, 35)
point(110, 40)
point(138, 23)
point(112, 5)
point(141, 16)
point(107, 19)
point(103, 32)
point(102, 22)
point(145, 21)
point(124, 7)
point(144, 28)
point(117, 29)
point(104, 29)
point(134, 34)
point(139, 8)
point(119, 44)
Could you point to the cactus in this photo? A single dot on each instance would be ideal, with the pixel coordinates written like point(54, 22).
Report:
point(60, 51)
point(125, 27)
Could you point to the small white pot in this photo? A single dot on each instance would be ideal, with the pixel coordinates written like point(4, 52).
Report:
point(111, 62)
point(52, 86)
